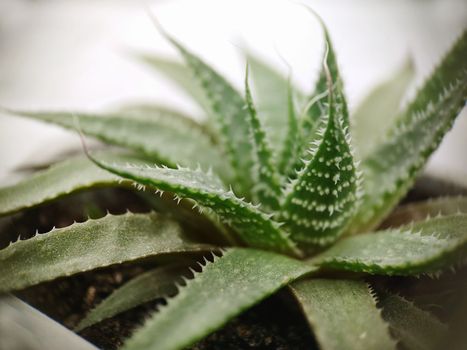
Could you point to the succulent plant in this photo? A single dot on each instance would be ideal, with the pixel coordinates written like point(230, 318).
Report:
point(294, 195)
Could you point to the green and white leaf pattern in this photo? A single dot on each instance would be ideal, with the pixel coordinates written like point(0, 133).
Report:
point(322, 198)
point(253, 226)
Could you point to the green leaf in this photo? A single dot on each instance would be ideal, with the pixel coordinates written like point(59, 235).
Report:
point(322, 198)
point(378, 111)
point(316, 107)
point(424, 210)
point(148, 111)
point(90, 245)
point(342, 314)
point(181, 75)
point(59, 180)
point(169, 138)
point(273, 93)
point(253, 226)
point(267, 187)
point(390, 170)
point(292, 144)
point(414, 327)
point(232, 117)
point(231, 284)
point(424, 247)
point(154, 284)
point(23, 327)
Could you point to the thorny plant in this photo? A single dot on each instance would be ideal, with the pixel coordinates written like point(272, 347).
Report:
point(290, 206)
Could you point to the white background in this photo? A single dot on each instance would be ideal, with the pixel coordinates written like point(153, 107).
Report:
point(74, 55)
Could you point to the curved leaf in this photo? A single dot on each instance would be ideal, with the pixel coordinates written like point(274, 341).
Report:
point(390, 170)
point(267, 188)
point(342, 314)
point(60, 179)
point(378, 111)
point(414, 327)
point(149, 111)
point(292, 144)
point(90, 245)
point(253, 226)
point(424, 247)
point(419, 211)
point(180, 74)
point(154, 284)
point(169, 138)
point(232, 283)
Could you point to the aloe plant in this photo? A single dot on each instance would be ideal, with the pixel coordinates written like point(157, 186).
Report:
point(291, 204)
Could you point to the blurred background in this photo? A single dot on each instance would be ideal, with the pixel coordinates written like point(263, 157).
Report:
point(76, 55)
